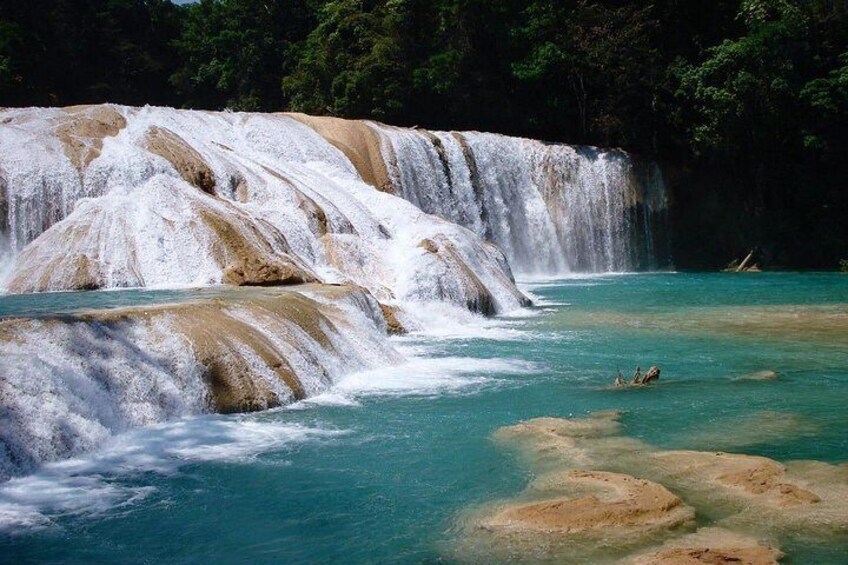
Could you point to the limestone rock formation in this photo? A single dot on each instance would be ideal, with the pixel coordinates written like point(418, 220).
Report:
point(188, 162)
point(359, 142)
point(620, 505)
point(756, 498)
point(711, 546)
point(83, 129)
point(277, 204)
point(71, 381)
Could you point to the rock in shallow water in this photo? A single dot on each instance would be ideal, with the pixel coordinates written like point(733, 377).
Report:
point(619, 505)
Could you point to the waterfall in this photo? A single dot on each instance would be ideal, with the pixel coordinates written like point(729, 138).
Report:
point(67, 383)
point(552, 208)
point(112, 196)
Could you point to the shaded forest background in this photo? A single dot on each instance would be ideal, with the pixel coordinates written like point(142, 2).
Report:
point(743, 102)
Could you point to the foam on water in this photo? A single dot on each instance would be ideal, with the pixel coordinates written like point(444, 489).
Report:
point(104, 480)
point(69, 384)
point(431, 376)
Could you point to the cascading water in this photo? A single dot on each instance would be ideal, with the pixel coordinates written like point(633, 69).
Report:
point(68, 383)
point(111, 196)
point(552, 208)
point(156, 197)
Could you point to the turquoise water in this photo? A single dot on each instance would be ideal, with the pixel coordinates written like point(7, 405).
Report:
point(380, 470)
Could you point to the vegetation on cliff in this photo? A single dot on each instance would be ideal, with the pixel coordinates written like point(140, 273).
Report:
point(744, 101)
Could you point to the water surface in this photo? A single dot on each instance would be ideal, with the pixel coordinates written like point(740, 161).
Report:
point(379, 469)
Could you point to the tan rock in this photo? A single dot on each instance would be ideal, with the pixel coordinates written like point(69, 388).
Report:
point(360, 143)
point(83, 129)
point(478, 297)
point(390, 313)
point(711, 546)
point(261, 271)
point(759, 478)
point(184, 158)
point(623, 504)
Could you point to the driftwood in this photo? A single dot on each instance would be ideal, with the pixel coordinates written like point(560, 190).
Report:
point(638, 379)
point(653, 374)
point(745, 262)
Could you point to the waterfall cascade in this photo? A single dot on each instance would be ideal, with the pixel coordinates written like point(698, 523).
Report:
point(552, 208)
point(382, 222)
point(69, 382)
point(109, 196)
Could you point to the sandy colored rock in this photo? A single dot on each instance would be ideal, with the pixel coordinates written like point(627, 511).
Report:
point(623, 504)
point(184, 158)
point(747, 475)
point(711, 546)
point(228, 347)
point(597, 424)
point(390, 313)
point(258, 271)
point(478, 297)
point(83, 129)
point(98, 245)
point(360, 143)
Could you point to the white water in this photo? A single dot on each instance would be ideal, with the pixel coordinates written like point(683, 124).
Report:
point(90, 485)
point(279, 187)
point(101, 480)
point(552, 208)
point(67, 385)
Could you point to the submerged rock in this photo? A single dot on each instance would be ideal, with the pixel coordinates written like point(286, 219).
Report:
point(620, 505)
point(761, 376)
point(754, 497)
point(711, 546)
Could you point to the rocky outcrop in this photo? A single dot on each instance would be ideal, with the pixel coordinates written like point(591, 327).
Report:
point(182, 197)
point(762, 480)
point(393, 323)
point(188, 162)
point(136, 240)
point(755, 498)
point(619, 505)
point(359, 142)
point(255, 271)
point(711, 546)
point(83, 129)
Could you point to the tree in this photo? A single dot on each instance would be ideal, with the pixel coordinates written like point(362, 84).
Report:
point(235, 52)
point(595, 66)
point(352, 63)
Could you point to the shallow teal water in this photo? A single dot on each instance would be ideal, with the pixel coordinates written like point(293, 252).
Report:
point(377, 476)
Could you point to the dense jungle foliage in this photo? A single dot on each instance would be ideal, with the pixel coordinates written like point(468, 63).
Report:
point(744, 102)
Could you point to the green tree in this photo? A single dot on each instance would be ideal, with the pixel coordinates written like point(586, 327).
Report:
point(66, 52)
point(235, 52)
point(595, 66)
point(352, 64)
